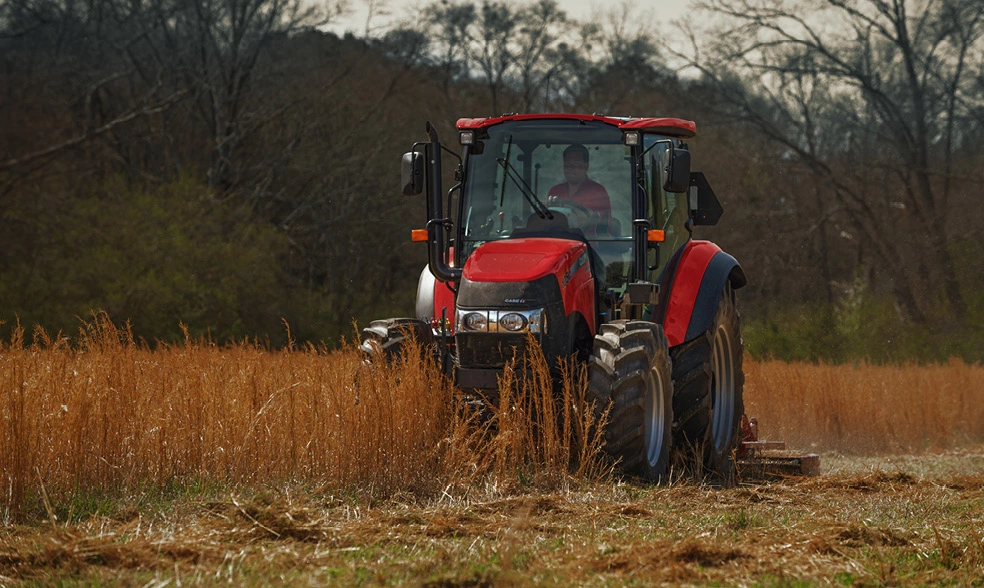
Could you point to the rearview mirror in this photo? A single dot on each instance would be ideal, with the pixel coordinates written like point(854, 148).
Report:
point(677, 171)
point(412, 173)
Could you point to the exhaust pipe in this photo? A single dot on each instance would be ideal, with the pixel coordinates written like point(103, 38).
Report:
point(437, 244)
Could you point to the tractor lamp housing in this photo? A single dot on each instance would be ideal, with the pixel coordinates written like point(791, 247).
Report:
point(475, 321)
point(501, 321)
point(512, 321)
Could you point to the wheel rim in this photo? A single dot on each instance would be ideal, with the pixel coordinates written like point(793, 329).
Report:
point(722, 390)
point(655, 426)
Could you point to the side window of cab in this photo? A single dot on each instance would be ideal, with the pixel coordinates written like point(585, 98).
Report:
point(667, 210)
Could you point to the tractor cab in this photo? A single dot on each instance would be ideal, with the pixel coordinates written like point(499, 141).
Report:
point(583, 180)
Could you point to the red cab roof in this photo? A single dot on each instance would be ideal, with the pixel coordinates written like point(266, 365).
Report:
point(671, 127)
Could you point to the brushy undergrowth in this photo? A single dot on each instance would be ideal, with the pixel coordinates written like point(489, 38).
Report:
point(864, 328)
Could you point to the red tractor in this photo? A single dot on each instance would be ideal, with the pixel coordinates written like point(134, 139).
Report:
point(577, 230)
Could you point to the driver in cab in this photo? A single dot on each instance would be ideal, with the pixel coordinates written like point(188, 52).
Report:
point(586, 197)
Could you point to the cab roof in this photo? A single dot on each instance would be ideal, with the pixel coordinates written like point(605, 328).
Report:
point(671, 127)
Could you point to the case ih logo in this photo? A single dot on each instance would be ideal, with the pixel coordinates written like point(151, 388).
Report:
point(515, 301)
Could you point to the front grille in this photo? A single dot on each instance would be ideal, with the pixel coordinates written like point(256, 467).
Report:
point(489, 350)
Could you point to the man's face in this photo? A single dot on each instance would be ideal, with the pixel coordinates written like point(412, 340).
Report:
point(575, 168)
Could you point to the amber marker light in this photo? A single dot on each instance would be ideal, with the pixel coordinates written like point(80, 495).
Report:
point(418, 235)
point(656, 236)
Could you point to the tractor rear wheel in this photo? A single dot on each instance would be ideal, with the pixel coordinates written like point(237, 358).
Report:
point(386, 338)
point(629, 375)
point(708, 383)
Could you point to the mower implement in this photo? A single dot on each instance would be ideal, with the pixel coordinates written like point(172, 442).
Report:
point(766, 460)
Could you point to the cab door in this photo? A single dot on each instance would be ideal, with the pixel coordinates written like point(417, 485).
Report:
point(667, 211)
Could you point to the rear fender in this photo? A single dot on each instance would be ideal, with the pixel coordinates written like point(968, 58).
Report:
point(696, 290)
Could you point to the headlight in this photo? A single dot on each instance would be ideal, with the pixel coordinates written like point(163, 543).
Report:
point(512, 321)
point(476, 321)
point(501, 321)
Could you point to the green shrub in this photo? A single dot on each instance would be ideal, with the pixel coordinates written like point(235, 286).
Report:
point(157, 258)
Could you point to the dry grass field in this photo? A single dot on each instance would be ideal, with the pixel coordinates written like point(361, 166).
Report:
point(867, 408)
point(202, 464)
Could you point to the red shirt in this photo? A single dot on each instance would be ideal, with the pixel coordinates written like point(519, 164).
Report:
point(591, 194)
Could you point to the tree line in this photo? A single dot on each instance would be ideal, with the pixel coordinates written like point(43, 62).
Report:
point(228, 166)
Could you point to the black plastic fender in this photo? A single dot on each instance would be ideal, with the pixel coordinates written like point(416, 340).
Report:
point(722, 267)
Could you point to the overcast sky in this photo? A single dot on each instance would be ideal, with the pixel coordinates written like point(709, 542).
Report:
point(661, 10)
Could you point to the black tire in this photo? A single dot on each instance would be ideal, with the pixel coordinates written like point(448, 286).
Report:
point(629, 375)
point(386, 338)
point(708, 383)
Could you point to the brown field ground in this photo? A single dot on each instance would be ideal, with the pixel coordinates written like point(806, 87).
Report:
point(202, 464)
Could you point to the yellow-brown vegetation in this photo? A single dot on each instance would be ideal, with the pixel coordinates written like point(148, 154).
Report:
point(313, 466)
point(867, 408)
point(109, 415)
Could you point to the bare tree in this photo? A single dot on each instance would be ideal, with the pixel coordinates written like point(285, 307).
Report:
point(528, 58)
point(215, 47)
point(875, 96)
point(448, 27)
point(119, 62)
point(544, 38)
point(491, 49)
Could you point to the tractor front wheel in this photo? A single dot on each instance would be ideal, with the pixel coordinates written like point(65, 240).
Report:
point(629, 375)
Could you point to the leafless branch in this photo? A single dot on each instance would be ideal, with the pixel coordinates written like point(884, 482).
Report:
point(90, 134)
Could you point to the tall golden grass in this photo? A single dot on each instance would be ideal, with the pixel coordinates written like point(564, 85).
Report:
point(111, 416)
point(867, 408)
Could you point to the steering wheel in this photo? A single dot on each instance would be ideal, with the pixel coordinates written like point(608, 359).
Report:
point(578, 215)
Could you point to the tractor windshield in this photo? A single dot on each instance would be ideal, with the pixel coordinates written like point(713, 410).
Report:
point(551, 178)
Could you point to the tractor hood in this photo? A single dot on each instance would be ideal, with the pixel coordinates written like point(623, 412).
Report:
point(548, 281)
point(525, 260)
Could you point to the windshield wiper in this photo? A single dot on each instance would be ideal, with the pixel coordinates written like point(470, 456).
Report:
point(539, 207)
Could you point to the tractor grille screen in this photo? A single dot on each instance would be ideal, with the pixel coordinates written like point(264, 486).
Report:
point(489, 350)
